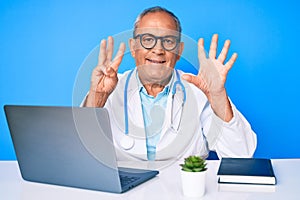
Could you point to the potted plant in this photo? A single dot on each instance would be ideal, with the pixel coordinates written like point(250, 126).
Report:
point(193, 173)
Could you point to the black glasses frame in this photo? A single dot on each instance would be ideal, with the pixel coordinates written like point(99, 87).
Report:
point(161, 38)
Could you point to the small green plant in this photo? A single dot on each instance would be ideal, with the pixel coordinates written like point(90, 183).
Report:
point(193, 164)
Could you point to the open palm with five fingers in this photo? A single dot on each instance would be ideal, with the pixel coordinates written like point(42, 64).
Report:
point(212, 75)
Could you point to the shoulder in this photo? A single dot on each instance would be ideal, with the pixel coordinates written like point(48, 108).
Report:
point(124, 74)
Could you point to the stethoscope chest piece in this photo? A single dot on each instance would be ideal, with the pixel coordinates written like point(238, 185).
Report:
point(127, 142)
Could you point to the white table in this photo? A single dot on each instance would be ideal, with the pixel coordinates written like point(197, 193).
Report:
point(165, 186)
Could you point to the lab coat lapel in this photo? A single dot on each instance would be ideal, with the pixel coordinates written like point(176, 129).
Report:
point(168, 136)
point(134, 102)
point(176, 144)
point(135, 118)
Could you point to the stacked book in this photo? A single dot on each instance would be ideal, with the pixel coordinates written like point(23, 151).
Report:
point(246, 171)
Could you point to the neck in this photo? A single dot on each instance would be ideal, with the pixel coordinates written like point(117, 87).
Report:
point(155, 84)
point(154, 89)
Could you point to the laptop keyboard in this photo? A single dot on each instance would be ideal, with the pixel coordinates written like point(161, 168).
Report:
point(125, 180)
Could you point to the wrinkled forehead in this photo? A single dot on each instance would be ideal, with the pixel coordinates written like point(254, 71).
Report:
point(157, 31)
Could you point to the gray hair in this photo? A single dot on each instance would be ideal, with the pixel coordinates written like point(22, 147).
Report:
point(154, 10)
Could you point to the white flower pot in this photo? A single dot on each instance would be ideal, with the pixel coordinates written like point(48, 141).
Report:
point(193, 183)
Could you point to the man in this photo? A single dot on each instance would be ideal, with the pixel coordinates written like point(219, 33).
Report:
point(158, 113)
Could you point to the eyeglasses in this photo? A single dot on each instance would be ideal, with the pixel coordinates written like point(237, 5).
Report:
point(148, 41)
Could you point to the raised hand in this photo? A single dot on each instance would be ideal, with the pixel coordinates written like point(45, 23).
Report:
point(104, 77)
point(212, 76)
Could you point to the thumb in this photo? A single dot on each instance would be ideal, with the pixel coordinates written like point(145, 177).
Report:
point(187, 77)
point(191, 79)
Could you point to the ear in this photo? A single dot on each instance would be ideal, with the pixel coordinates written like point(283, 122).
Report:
point(180, 50)
point(132, 47)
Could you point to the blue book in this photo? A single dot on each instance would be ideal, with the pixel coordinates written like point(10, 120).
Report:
point(246, 170)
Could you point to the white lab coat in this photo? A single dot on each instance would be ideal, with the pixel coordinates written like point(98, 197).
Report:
point(200, 129)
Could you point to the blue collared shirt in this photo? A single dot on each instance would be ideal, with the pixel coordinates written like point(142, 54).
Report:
point(153, 109)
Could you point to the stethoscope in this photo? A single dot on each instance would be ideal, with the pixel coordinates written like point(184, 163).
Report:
point(128, 142)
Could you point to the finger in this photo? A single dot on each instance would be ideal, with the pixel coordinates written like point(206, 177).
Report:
point(104, 70)
point(110, 72)
point(119, 56)
point(224, 51)
point(191, 79)
point(99, 70)
point(102, 52)
point(201, 50)
point(231, 61)
point(213, 46)
point(110, 49)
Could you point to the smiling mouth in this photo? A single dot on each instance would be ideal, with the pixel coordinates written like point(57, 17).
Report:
point(156, 61)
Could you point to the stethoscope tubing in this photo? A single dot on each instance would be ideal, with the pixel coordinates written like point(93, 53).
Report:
point(126, 101)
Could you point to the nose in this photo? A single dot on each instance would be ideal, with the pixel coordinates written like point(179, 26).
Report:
point(158, 48)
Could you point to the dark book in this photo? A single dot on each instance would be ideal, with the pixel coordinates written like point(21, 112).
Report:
point(246, 170)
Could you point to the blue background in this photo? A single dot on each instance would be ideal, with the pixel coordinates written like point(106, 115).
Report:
point(44, 43)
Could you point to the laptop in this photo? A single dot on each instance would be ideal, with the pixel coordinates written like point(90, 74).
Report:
point(69, 146)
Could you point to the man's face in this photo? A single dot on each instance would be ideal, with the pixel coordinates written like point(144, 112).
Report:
point(156, 62)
